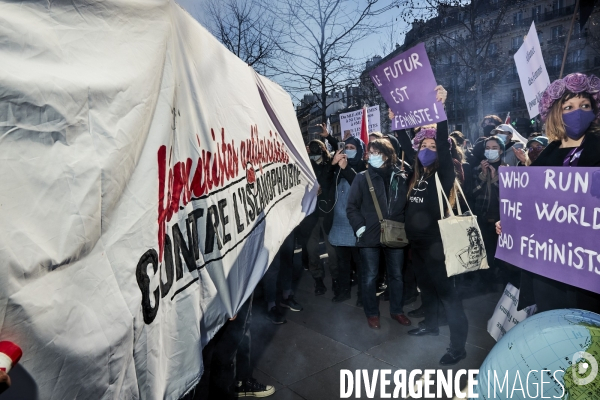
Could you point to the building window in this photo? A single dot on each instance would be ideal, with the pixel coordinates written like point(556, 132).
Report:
point(557, 32)
point(540, 36)
point(494, 2)
point(453, 58)
point(516, 97)
point(461, 16)
point(558, 4)
point(556, 60)
point(536, 12)
point(518, 17)
point(517, 41)
point(492, 49)
point(576, 56)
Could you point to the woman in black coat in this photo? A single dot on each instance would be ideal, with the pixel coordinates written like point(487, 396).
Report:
point(320, 221)
point(432, 149)
point(570, 107)
point(389, 185)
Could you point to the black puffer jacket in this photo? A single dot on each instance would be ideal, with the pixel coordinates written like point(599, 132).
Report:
point(361, 210)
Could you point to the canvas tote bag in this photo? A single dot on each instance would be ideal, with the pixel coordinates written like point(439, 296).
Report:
point(461, 236)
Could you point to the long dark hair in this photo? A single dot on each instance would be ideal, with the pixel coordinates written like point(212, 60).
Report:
point(456, 151)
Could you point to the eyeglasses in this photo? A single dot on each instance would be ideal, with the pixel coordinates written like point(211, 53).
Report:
point(374, 153)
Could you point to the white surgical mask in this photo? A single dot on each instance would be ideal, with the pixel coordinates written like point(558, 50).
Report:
point(376, 161)
point(492, 155)
point(351, 153)
point(316, 159)
point(502, 136)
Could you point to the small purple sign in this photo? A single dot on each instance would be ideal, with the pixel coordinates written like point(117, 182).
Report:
point(550, 220)
point(407, 84)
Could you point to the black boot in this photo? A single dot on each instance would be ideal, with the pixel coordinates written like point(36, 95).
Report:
point(341, 296)
point(453, 356)
point(335, 286)
point(359, 302)
point(319, 287)
point(417, 313)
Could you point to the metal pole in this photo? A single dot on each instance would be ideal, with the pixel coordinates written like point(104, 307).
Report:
point(562, 67)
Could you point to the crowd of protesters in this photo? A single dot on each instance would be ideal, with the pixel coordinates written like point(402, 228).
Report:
point(395, 177)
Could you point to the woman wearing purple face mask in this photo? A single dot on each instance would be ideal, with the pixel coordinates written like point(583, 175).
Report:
point(570, 109)
point(438, 292)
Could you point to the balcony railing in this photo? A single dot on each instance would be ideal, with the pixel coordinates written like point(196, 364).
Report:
point(557, 41)
point(570, 67)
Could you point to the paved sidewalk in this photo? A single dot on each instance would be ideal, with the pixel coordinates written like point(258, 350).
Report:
point(303, 357)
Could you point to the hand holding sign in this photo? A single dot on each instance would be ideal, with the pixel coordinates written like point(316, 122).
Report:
point(401, 81)
point(440, 94)
point(550, 223)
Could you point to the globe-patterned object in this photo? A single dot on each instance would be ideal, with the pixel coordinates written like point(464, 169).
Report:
point(546, 341)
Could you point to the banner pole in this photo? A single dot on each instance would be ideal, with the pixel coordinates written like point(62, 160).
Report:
point(562, 67)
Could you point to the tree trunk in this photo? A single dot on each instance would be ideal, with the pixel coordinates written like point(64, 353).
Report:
point(323, 95)
point(479, 97)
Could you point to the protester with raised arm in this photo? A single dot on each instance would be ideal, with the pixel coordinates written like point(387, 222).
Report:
point(422, 215)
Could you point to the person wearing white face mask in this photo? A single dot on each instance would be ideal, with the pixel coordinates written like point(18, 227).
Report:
point(512, 141)
point(389, 187)
point(486, 193)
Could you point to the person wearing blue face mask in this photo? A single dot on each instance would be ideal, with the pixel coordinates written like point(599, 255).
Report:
point(348, 164)
point(389, 185)
point(486, 193)
point(570, 108)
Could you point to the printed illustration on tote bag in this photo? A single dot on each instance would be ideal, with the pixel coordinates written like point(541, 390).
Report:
point(470, 256)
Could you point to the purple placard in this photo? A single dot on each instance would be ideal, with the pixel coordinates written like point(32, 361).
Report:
point(551, 222)
point(407, 84)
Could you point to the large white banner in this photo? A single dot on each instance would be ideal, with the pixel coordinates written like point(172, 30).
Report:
point(148, 178)
point(532, 71)
point(350, 122)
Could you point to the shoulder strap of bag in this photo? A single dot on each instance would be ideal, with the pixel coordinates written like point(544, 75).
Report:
point(402, 165)
point(372, 190)
point(441, 197)
point(464, 197)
